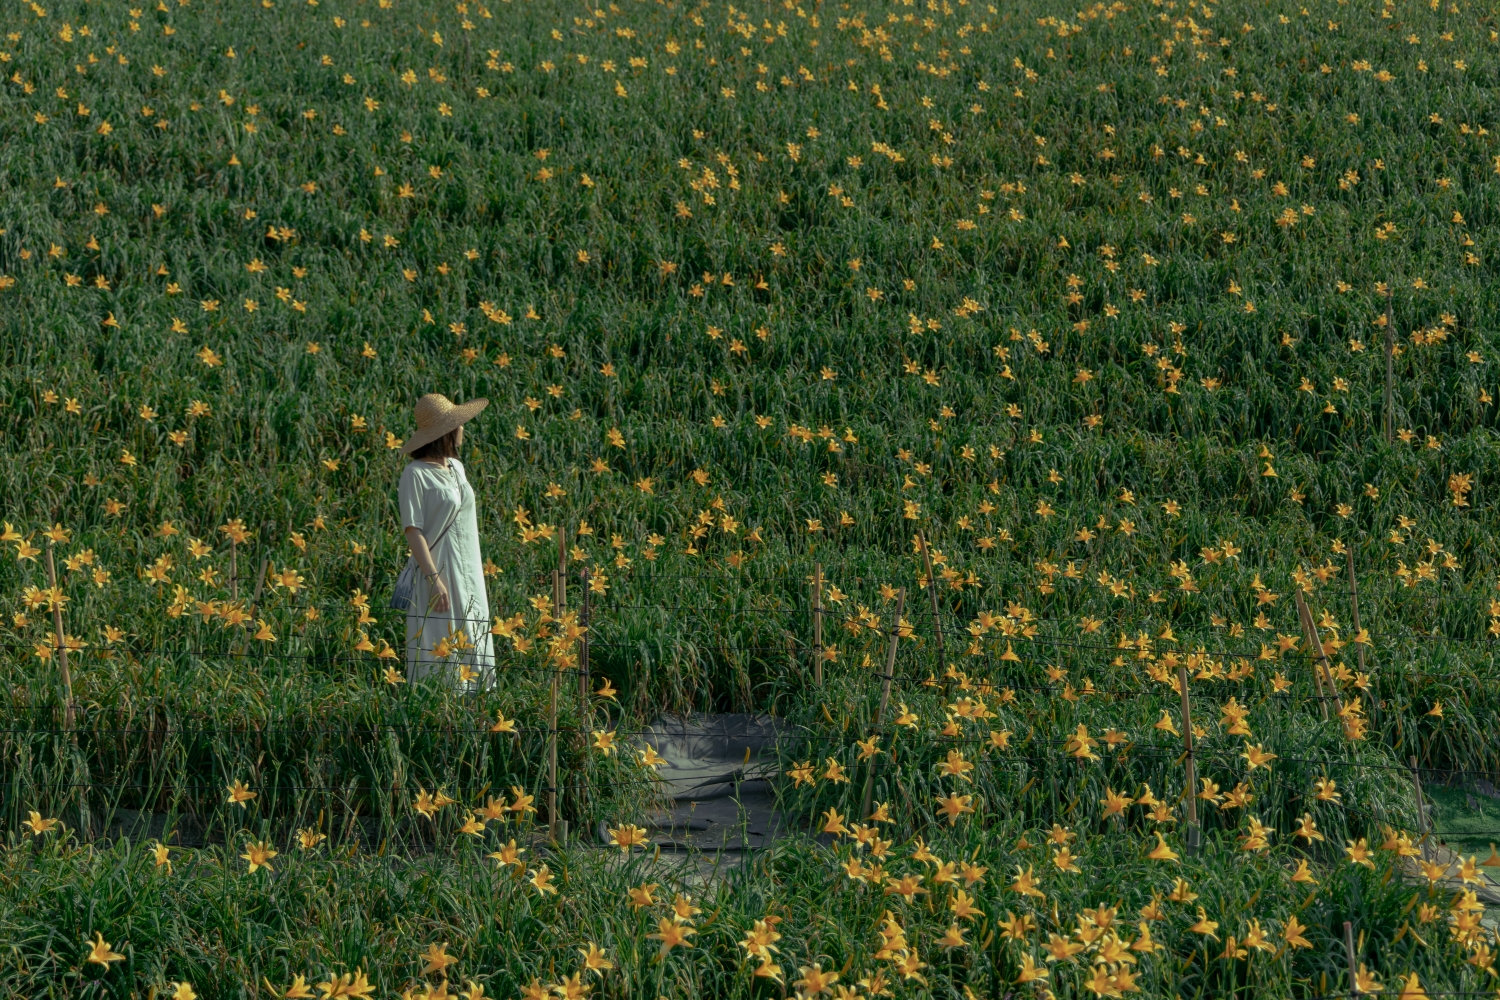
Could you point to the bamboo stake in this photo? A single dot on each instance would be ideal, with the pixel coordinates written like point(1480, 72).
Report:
point(552, 817)
point(818, 625)
point(585, 688)
point(890, 659)
point(1416, 784)
point(62, 648)
point(937, 623)
point(560, 581)
point(1359, 646)
point(1317, 677)
point(1192, 831)
point(260, 582)
point(885, 695)
point(1321, 669)
point(1354, 990)
point(1390, 356)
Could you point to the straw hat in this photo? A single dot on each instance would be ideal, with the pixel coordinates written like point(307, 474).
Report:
point(437, 415)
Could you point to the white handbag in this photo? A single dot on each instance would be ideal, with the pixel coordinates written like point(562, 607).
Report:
point(406, 582)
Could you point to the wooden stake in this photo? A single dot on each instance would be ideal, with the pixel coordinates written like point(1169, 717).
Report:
point(818, 625)
point(1354, 990)
point(1191, 837)
point(1320, 661)
point(62, 650)
point(885, 695)
point(1390, 360)
point(937, 622)
point(234, 571)
point(552, 817)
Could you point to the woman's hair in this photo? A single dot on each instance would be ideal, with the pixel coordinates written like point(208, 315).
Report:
point(444, 447)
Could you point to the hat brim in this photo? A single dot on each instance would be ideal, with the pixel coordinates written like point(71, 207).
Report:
point(456, 417)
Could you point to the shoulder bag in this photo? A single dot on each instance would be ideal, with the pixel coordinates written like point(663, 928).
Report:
point(406, 582)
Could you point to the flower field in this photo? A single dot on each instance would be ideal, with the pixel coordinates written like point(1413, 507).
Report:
point(1076, 426)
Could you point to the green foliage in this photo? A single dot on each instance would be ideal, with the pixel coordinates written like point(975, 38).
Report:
point(1097, 300)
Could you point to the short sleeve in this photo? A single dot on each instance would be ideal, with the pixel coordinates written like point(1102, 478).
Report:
point(409, 498)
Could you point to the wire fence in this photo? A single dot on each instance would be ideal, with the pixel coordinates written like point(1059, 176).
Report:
point(639, 738)
point(796, 583)
point(716, 642)
point(596, 618)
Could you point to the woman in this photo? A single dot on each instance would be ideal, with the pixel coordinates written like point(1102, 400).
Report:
point(447, 622)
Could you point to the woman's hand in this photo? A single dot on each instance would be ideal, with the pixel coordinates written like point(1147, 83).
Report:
point(438, 603)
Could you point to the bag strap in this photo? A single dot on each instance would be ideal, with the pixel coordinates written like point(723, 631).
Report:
point(433, 544)
point(451, 521)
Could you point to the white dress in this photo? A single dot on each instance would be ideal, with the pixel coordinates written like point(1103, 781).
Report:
point(430, 498)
